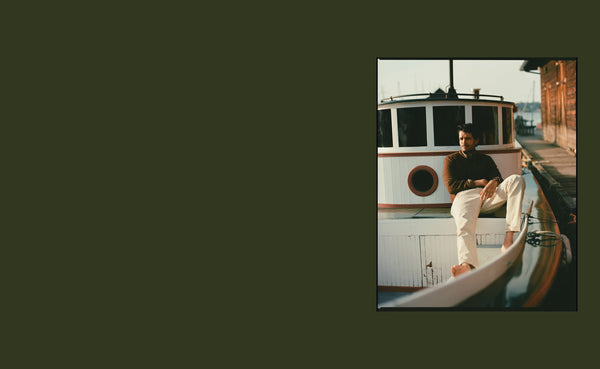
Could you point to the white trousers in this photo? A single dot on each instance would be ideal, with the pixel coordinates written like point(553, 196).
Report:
point(466, 208)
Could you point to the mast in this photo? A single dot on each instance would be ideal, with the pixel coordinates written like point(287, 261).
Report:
point(532, 101)
point(451, 91)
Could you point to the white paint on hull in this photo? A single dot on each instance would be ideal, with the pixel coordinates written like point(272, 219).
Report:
point(420, 252)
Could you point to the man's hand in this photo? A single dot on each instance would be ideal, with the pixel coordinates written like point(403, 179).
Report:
point(489, 190)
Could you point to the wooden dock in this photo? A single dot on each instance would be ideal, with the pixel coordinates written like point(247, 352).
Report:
point(555, 169)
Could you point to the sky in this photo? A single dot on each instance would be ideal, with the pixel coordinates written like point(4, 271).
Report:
point(493, 77)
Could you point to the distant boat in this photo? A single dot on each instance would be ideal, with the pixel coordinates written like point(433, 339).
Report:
point(416, 244)
point(524, 127)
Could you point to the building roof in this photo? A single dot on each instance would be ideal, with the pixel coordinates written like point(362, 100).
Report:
point(534, 63)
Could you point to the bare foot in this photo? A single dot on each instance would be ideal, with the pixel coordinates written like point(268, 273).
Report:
point(457, 270)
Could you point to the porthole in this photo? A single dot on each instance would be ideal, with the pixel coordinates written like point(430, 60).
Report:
point(422, 181)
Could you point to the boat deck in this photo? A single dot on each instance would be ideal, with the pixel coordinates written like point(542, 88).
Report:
point(426, 213)
point(414, 213)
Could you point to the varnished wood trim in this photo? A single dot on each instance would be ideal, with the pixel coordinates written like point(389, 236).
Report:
point(413, 206)
point(416, 153)
point(536, 298)
point(398, 289)
point(444, 153)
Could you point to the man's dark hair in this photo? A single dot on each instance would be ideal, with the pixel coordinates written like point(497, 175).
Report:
point(469, 128)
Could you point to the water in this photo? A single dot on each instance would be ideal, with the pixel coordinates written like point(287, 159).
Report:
point(536, 115)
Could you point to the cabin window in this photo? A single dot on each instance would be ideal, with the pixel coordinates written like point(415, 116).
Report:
point(412, 127)
point(384, 128)
point(486, 119)
point(507, 125)
point(422, 181)
point(445, 121)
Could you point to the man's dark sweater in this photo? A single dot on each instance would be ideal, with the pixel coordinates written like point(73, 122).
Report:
point(461, 169)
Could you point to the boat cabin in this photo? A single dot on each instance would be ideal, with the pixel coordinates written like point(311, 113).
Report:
point(416, 132)
point(414, 135)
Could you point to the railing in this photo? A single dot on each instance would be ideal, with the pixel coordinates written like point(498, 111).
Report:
point(440, 96)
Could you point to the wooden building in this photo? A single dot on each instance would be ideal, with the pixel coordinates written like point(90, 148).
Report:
point(558, 79)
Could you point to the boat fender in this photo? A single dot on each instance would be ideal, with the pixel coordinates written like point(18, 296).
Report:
point(567, 256)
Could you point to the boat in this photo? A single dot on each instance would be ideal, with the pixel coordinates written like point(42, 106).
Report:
point(416, 234)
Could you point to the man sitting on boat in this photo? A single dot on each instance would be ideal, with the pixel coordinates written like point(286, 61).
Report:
point(476, 186)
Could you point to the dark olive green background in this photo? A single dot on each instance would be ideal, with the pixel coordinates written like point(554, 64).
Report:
point(191, 184)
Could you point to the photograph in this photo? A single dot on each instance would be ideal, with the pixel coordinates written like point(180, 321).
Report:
point(477, 184)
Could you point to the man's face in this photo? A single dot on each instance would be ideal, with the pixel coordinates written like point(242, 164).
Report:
point(466, 141)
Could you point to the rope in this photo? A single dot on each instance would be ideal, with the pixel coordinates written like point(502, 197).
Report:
point(541, 220)
point(543, 238)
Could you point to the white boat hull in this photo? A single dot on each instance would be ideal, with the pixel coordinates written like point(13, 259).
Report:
point(419, 252)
